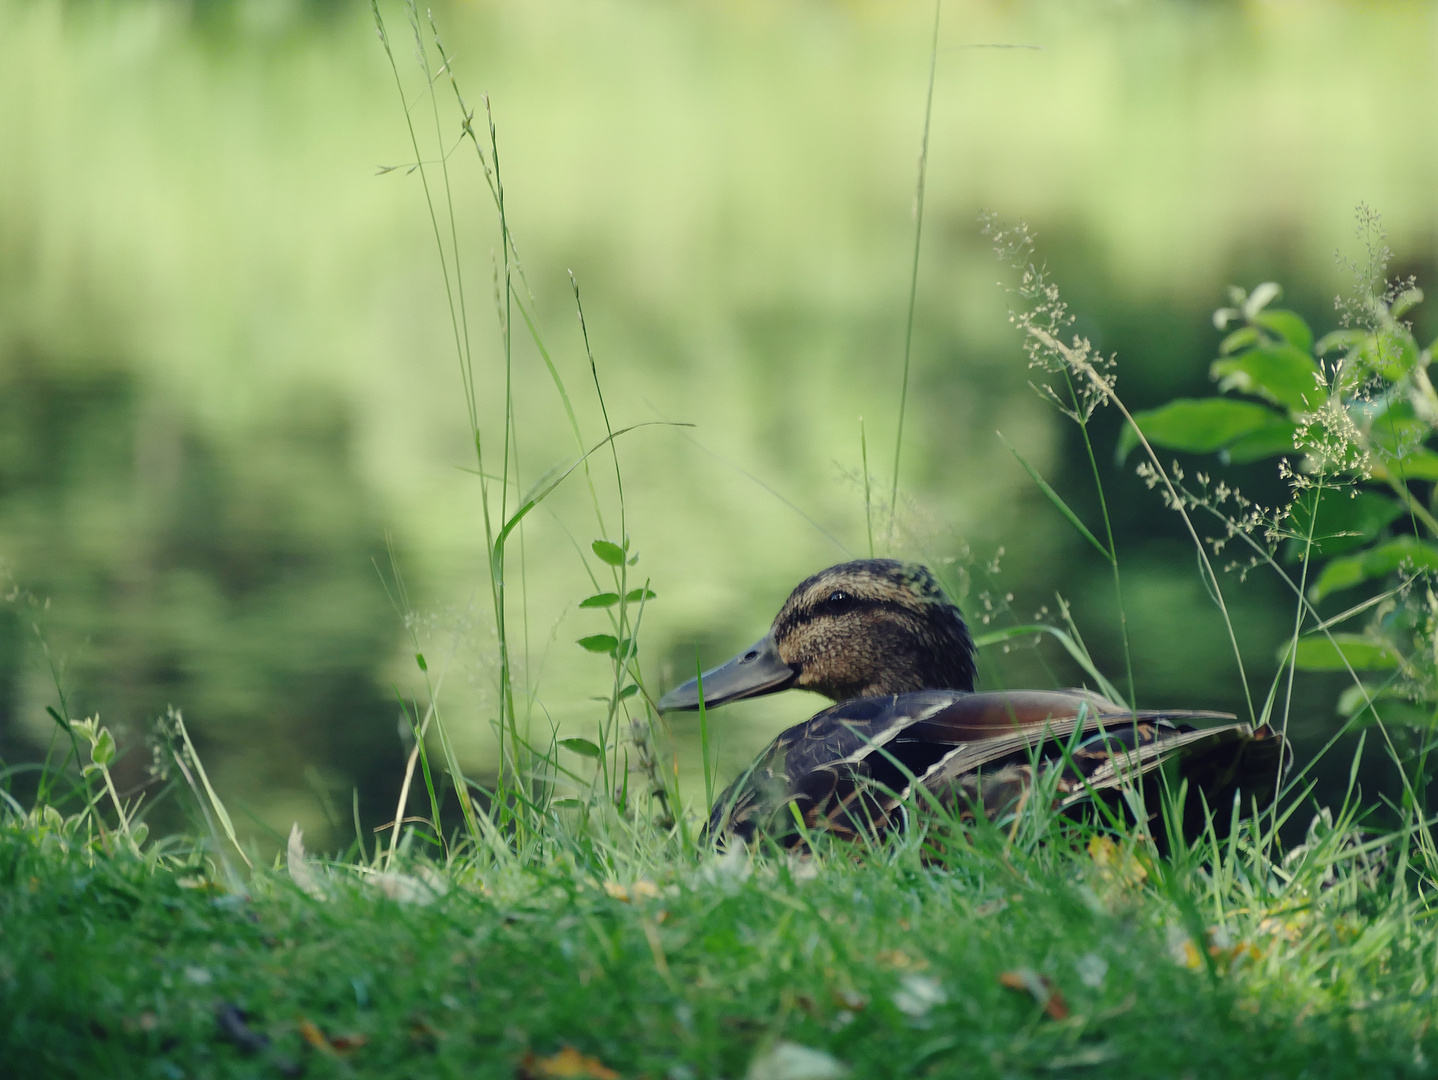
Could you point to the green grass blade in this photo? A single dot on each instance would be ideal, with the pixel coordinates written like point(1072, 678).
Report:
point(704, 746)
point(914, 269)
point(1080, 655)
point(219, 807)
point(1053, 497)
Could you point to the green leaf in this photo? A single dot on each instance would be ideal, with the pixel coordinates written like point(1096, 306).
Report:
point(57, 718)
point(1318, 653)
point(1279, 373)
point(633, 596)
point(603, 599)
point(102, 752)
point(1271, 440)
point(582, 747)
point(1392, 706)
point(1417, 464)
point(1261, 296)
point(1345, 520)
point(628, 692)
point(496, 552)
point(1391, 353)
point(1405, 302)
point(566, 804)
point(600, 643)
point(1241, 338)
point(419, 659)
point(1339, 339)
point(610, 553)
point(1351, 570)
point(1196, 425)
point(1053, 497)
point(1338, 575)
point(1395, 430)
point(1288, 325)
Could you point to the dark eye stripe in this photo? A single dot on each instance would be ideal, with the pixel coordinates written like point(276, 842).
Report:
point(852, 606)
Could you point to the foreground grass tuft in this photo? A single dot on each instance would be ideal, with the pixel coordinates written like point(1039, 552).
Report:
point(981, 960)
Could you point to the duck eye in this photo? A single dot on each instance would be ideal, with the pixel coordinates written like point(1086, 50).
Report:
point(839, 600)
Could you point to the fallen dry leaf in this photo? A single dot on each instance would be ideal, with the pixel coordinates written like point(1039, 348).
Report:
point(1039, 988)
point(340, 1044)
point(568, 1064)
point(1187, 955)
point(310, 1032)
point(790, 1061)
point(917, 994)
point(1119, 864)
point(301, 871)
point(897, 958)
point(640, 890)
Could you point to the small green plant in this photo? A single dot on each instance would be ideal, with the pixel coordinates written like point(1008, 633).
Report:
point(1350, 418)
point(533, 771)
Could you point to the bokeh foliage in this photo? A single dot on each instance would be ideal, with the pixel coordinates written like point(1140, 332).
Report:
point(227, 392)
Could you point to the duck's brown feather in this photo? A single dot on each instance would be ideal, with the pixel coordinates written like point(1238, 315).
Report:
point(851, 767)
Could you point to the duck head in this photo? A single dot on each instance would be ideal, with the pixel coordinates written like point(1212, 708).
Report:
point(859, 629)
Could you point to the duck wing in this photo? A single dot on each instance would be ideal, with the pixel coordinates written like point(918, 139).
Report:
point(850, 768)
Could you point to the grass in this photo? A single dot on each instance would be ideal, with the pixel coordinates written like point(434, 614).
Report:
point(990, 957)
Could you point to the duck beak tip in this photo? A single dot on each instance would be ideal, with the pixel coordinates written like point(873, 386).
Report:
point(757, 670)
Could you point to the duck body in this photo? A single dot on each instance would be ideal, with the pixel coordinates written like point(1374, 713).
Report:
point(851, 769)
point(882, 639)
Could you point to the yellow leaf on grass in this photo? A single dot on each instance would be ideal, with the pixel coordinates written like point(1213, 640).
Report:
point(340, 1044)
point(897, 958)
point(1037, 987)
point(568, 1064)
point(311, 1034)
point(1116, 863)
point(640, 890)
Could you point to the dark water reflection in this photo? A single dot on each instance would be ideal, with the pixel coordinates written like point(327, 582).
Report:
point(238, 583)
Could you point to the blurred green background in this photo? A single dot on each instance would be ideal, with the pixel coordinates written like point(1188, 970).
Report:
point(230, 407)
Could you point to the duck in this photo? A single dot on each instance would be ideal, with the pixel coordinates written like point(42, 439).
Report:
point(882, 639)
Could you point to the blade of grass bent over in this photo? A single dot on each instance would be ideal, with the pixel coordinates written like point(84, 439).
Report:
point(1054, 497)
point(1080, 655)
point(219, 807)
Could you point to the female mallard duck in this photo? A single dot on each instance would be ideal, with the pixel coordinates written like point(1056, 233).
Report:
point(881, 638)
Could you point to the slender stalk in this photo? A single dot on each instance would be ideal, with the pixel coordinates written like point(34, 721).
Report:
point(497, 568)
point(914, 267)
point(704, 737)
point(1324, 626)
point(1298, 613)
point(1297, 629)
point(1079, 363)
point(1113, 563)
point(868, 501)
point(454, 294)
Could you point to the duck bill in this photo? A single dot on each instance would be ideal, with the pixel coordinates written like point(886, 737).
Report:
point(757, 670)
